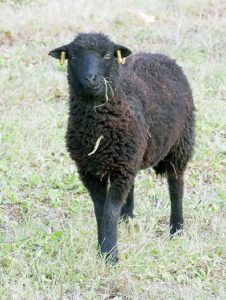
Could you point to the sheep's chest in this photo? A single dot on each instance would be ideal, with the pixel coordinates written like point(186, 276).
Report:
point(104, 152)
point(102, 144)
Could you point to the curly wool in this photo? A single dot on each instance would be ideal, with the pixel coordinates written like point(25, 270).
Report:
point(148, 120)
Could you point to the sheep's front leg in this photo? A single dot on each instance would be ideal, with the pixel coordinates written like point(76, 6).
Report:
point(176, 187)
point(116, 196)
point(98, 191)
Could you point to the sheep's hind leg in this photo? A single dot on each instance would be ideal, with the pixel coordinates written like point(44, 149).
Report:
point(176, 185)
point(127, 208)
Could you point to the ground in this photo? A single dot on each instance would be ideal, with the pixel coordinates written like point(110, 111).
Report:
point(47, 224)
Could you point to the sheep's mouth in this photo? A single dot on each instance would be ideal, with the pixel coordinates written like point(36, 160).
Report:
point(96, 87)
point(93, 87)
point(94, 90)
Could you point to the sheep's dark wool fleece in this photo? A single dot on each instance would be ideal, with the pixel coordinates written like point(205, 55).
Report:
point(143, 109)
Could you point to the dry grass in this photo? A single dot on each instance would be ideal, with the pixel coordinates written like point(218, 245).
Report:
point(47, 224)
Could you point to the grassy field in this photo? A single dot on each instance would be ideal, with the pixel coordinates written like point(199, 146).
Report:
point(47, 224)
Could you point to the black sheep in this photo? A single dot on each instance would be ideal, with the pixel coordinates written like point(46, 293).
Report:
point(123, 118)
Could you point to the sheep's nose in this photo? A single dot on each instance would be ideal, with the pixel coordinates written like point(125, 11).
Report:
point(90, 78)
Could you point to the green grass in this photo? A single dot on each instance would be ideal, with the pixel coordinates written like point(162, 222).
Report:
point(47, 224)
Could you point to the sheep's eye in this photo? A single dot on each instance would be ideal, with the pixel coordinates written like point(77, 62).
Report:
point(72, 57)
point(107, 56)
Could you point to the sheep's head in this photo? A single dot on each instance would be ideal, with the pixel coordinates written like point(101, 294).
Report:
point(92, 63)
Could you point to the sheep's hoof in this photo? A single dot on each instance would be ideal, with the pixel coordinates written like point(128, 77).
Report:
point(126, 213)
point(175, 228)
point(126, 216)
point(110, 257)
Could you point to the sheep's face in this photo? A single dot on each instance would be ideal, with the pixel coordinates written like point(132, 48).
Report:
point(91, 70)
point(92, 64)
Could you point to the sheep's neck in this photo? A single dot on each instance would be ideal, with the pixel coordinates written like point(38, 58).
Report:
point(96, 103)
point(98, 109)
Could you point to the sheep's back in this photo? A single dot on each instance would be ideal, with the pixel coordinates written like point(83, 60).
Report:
point(159, 94)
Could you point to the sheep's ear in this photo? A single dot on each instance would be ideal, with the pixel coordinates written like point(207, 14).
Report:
point(60, 53)
point(124, 51)
point(121, 53)
point(56, 53)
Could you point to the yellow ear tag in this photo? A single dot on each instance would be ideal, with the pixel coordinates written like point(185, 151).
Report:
point(62, 58)
point(121, 59)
